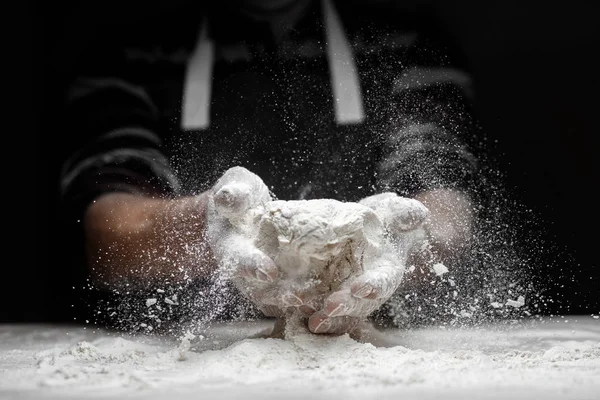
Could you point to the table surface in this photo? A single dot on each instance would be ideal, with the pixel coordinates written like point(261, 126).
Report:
point(550, 358)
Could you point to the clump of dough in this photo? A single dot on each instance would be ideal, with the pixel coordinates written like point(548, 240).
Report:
point(318, 245)
point(319, 242)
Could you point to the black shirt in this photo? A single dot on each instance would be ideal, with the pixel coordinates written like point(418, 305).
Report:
point(271, 108)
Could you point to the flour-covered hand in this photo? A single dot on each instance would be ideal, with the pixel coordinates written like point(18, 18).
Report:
point(383, 267)
point(235, 205)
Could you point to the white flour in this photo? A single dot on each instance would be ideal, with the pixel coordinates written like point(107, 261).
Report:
point(555, 359)
point(306, 236)
point(319, 245)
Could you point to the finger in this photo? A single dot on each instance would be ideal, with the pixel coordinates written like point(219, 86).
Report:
point(271, 310)
point(288, 298)
point(257, 266)
point(291, 299)
point(343, 304)
point(379, 282)
point(364, 290)
point(311, 302)
point(406, 214)
point(265, 296)
point(320, 323)
point(233, 200)
point(239, 188)
point(307, 310)
point(305, 302)
point(364, 294)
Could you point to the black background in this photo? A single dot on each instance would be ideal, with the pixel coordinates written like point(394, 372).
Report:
point(536, 76)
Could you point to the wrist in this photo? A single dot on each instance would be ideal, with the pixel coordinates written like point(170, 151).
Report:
point(136, 239)
point(450, 220)
point(183, 217)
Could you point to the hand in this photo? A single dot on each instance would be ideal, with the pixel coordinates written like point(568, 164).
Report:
point(450, 222)
point(235, 206)
point(345, 310)
point(449, 230)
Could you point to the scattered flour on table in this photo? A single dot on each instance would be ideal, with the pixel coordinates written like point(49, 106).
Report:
point(440, 269)
point(558, 357)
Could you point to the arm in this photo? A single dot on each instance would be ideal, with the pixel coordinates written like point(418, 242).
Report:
point(120, 197)
point(450, 222)
point(431, 150)
point(427, 156)
point(139, 240)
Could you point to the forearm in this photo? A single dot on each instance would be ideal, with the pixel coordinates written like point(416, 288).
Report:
point(432, 156)
point(137, 240)
point(450, 222)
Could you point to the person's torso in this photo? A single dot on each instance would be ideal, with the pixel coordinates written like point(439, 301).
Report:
point(271, 105)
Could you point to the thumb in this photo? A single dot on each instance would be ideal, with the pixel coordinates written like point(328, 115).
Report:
point(233, 200)
point(399, 214)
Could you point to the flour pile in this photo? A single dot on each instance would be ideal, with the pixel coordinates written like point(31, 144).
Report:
point(555, 359)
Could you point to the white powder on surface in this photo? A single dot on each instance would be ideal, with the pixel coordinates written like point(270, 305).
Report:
point(150, 302)
point(553, 358)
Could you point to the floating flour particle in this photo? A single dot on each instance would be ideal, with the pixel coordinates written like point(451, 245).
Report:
point(399, 214)
point(495, 304)
point(171, 301)
point(520, 302)
point(150, 302)
point(440, 269)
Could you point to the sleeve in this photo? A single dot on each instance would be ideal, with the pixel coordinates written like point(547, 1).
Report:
point(434, 140)
point(112, 144)
point(432, 131)
point(122, 150)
